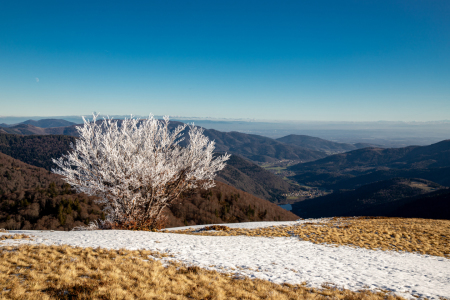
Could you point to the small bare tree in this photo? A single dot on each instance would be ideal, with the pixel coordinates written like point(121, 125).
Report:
point(137, 168)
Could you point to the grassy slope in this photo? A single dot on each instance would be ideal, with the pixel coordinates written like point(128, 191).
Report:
point(62, 272)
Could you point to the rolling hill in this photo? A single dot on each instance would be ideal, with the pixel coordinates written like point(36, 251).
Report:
point(259, 148)
point(254, 147)
point(47, 123)
point(375, 199)
point(319, 144)
point(355, 168)
point(28, 129)
point(432, 156)
point(251, 178)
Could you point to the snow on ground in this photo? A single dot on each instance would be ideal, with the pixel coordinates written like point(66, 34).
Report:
point(275, 259)
point(253, 225)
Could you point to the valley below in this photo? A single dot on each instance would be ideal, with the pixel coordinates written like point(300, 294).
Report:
point(292, 217)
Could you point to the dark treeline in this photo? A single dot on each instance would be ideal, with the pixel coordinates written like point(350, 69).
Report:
point(34, 198)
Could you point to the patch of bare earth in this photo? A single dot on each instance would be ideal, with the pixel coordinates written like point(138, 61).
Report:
point(423, 236)
point(63, 272)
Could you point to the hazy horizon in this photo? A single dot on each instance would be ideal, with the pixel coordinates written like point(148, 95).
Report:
point(385, 134)
point(7, 119)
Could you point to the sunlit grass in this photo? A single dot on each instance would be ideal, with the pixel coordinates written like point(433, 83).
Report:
point(63, 272)
point(423, 236)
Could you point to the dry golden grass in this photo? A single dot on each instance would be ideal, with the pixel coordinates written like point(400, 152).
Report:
point(63, 272)
point(423, 236)
point(14, 237)
point(3, 230)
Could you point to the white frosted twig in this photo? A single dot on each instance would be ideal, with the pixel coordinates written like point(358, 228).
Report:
point(137, 168)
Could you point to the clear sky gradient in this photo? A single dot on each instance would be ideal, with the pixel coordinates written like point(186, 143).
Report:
point(273, 60)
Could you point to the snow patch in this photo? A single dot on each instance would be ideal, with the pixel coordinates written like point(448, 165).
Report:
point(276, 259)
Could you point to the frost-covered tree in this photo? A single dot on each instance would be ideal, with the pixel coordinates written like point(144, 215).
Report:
point(137, 168)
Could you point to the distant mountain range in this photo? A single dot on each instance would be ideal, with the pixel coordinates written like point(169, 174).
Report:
point(259, 148)
point(44, 123)
point(253, 147)
point(47, 123)
point(38, 150)
point(398, 197)
point(27, 129)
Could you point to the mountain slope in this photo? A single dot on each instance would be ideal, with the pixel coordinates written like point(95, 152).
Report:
point(438, 175)
point(224, 204)
point(365, 199)
point(33, 198)
point(47, 123)
point(259, 148)
point(23, 129)
point(242, 174)
point(317, 144)
point(254, 147)
point(435, 205)
point(355, 161)
point(251, 178)
point(435, 155)
point(354, 168)
point(36, 150)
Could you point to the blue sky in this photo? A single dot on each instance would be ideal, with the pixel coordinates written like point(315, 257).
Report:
point(272, 60)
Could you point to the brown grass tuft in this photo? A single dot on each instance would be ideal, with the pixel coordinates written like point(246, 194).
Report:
point(14, 237)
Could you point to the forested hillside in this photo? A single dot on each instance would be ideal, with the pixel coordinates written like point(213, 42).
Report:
point(319, 144)
point(48, 123)
point(381, 198)
point(355, 168)
point(38, 150)
point(34, 198)
point(251, 178)
point(254, 147)
point(259, 148)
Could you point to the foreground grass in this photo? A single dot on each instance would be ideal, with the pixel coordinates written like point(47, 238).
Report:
point(63, 272)
point(423, 236)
